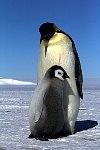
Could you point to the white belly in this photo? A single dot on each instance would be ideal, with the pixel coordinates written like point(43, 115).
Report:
point(61, 54)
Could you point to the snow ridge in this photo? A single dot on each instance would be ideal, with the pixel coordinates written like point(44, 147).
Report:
point(14, 82)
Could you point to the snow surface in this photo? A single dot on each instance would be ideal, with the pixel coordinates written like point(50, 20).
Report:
point(14, 123)
point(14, 82)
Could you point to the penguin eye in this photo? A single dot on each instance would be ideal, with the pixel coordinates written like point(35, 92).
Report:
point(59, 74)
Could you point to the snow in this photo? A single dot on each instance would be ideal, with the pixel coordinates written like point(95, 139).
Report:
point(14, 82)
point(14, 123)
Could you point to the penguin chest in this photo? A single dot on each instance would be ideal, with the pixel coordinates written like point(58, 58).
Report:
point(61, 56)
point(57, 54)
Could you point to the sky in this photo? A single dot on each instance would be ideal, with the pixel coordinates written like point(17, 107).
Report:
point(19, 34)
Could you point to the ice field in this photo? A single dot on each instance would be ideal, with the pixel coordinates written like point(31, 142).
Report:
point(14, 125)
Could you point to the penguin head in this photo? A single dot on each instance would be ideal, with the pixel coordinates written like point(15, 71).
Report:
point(56, 72)
point(47, 30)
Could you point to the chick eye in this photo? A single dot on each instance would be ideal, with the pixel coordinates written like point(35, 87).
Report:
point(59, 73)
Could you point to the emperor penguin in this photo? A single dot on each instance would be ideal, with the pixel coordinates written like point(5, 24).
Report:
point(58, 48)
point(46, 112)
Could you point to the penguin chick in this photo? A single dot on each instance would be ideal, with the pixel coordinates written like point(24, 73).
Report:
point(46, 112)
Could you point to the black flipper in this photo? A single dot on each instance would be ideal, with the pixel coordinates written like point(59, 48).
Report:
point(78, 70)
point(78, 74)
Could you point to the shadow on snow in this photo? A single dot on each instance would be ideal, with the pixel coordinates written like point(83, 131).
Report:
point(85, 125)
point(80, 126)
point(1, 148)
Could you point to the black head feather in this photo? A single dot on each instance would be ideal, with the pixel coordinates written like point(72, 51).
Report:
point(46, 30)
point(51, 72)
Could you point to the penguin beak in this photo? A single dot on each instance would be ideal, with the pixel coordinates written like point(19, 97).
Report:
point(66, 75)
point(45, 50)
point(46, 46)
point(45, 36)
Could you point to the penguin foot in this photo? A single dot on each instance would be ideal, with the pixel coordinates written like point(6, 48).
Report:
point(38, 138)
point(70, 131)
point(42, 139)
point(31, 136)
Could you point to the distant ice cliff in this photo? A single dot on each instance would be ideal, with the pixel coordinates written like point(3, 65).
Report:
point(14, 82)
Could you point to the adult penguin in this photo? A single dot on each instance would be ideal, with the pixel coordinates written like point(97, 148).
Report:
point(46, 112)
point(58, 48)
